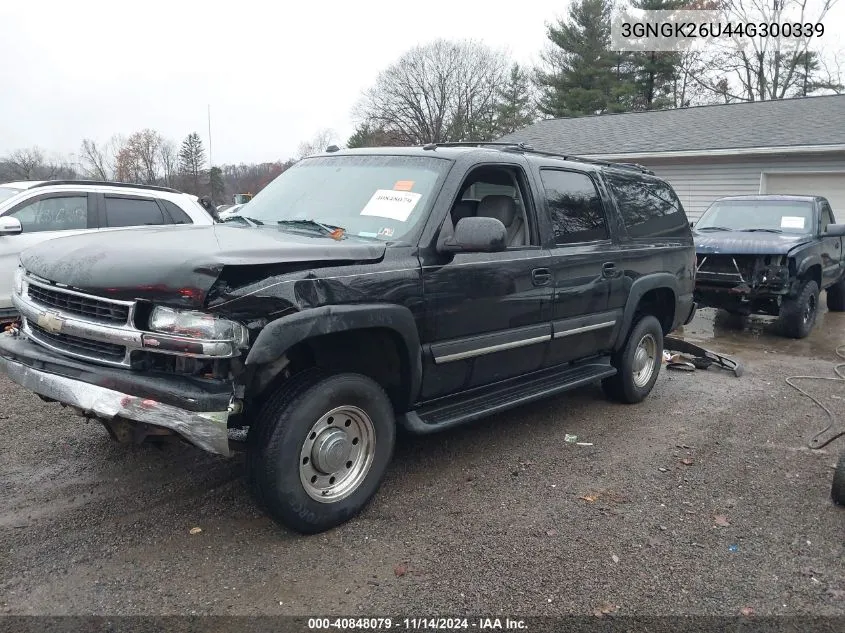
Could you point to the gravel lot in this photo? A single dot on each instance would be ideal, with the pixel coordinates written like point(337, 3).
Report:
point(701, 500)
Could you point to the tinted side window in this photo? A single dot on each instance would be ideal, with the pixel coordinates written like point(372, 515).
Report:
point(649, 207)
point(132, 212)
point(575, 207)
point(177, 214)
point(53, 214)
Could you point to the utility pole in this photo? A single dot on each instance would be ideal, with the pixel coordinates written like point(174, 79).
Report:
point(210, 162)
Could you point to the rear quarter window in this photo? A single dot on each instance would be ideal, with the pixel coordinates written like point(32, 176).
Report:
point(649, 207)
point(177, 215)
point(124, 211)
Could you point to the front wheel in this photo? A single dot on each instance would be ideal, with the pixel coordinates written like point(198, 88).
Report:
point(798, 314)
point(319, 450)
point(637, 363)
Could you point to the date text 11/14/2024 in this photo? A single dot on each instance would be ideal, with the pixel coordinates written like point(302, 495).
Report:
point(413, 624)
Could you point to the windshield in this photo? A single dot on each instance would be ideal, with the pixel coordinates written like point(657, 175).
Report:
point(380, 197)
point(778, 216)
point(7, 192)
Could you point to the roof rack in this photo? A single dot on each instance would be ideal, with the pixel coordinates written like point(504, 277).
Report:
point(593, 161)
point(104, 183)
point(524, 147)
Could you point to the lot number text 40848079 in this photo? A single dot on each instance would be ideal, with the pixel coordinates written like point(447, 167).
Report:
point(414, 624)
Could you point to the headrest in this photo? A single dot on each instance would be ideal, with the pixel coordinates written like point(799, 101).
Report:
point(464, 209)
point(503, 208)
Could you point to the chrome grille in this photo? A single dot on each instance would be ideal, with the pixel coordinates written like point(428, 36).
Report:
point(85, 306)
point(76, 345)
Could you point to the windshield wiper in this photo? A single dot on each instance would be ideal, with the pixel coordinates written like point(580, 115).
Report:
point(763, 230)
point(328, 229)
point(243, 217)
point(713, 228)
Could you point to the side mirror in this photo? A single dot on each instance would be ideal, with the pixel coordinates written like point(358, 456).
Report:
point(691, 224)
point(835, 230)
point(10, 226)
point(477, 235)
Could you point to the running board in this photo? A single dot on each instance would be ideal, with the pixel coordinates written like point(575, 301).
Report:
point(507, 394)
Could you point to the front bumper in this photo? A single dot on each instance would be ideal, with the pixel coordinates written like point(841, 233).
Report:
point(198, 414)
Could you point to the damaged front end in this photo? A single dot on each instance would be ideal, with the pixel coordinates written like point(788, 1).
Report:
point(743, 283)
point(140, 369)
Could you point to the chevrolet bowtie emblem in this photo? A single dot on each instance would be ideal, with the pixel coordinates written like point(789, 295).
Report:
point(50, 322)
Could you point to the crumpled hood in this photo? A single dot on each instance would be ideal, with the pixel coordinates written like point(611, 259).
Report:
point(179, 263)
point(737, 243)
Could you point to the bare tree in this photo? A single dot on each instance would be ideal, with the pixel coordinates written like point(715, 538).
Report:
point(127, 168)
point(762, 68)
point(168, 157)
point(686, 86)
point(145, 148)
point(96, 160)
point(318, 143)
point(29, 164)
point(251, 178)
point(441, 91)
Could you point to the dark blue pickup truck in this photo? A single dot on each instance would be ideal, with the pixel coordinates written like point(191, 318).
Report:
point(770, 254)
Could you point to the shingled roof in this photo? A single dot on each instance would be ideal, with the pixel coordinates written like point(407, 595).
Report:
point(788, 123)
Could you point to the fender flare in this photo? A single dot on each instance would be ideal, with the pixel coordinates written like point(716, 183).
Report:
point(808, 262)
point(638, 288)
point(280, 335)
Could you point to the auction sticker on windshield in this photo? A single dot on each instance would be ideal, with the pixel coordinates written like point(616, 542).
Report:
point(791, 222)
point(396, 205)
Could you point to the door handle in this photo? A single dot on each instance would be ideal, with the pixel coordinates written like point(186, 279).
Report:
point(608, 270)
point(541, 276)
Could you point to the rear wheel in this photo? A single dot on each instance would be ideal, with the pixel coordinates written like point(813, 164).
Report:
point(637, 363)
point(836, 297)
point(798, 314)
point(319, 451)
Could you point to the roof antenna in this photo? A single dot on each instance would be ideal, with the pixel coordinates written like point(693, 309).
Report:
point(332, 148)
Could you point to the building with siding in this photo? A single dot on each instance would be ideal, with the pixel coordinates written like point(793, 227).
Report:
point(790, 146)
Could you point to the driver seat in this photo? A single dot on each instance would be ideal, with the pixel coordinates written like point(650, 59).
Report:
point(503, 208)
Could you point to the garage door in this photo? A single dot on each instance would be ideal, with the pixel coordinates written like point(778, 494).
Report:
point(831, 186)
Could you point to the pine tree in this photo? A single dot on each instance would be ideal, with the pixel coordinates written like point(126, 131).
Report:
point(583, 76)
point(515, 108)
point(192, 161)
point(655, 72)
point(215, 184)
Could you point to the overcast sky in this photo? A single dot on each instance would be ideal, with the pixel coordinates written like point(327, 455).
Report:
point(274, 73)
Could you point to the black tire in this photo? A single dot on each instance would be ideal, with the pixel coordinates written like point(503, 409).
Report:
point(837, 490)
point(798, 314)
point(283, 430)
point(836, 297)
point(258, 435)
point(623, 386)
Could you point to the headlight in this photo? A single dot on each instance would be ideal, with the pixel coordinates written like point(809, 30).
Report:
point(197, 325)
point(19, 281)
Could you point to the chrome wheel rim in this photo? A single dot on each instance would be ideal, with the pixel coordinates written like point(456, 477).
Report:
point(337, 454)
point(644, 360)
point(810, 309)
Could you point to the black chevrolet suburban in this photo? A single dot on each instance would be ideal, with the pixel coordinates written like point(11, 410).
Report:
point(362, 289)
